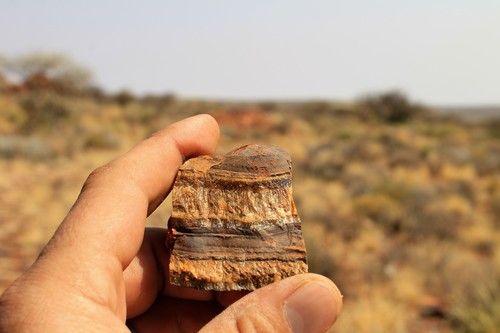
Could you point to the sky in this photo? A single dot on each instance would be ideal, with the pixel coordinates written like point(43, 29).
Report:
point(443, 52)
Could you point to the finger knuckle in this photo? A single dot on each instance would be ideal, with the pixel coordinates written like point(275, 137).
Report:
point(254, 321)
point(97, 174)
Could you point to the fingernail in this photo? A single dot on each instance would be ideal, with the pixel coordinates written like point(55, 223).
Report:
point(311, 308)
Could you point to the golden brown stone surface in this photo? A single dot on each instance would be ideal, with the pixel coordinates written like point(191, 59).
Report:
point(234, 224)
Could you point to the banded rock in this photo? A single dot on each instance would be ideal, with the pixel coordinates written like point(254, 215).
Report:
point(234, 225)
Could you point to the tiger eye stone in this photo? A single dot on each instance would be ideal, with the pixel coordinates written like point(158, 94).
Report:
point(234, 225)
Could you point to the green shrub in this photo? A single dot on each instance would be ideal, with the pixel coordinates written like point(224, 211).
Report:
point(391, 106)
point(124, 97)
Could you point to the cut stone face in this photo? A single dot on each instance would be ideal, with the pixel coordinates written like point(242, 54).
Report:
point(234, 225)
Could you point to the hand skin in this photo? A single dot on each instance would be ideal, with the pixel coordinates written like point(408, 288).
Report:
point(102, 271)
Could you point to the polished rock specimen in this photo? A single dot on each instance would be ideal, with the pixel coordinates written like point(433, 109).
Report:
point(234, 225)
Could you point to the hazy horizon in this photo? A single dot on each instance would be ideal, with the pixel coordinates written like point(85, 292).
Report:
point(445, 53)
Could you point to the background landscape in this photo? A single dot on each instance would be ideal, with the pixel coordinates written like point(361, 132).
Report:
point(400, 202)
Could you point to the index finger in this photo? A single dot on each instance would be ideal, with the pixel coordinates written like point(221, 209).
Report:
point(109, 215)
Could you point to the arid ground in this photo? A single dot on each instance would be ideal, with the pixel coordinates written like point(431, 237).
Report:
point(400, 206)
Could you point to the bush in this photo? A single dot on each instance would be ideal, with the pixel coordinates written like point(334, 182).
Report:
point(102, 140)
point(159, 101)
point(444, 217)
point(324, 160)
point(124, 97)
point(392, 106)
point(495, 207)
point(494, 128)
point(319, 259)
point(56, 71)
point(140, 113)
point(471, 286)
point(382, 209)
point(12, 116)
point(374, 314)
point(45, 109)
point(30, 148)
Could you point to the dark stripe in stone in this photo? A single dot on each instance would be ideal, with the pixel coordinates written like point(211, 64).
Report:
point(284, 243)
point(228, 183)
point(258, 243)
point(230, 253)
point(282, 256)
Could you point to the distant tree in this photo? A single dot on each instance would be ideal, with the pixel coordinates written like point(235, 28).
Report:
point(391, 106)
point(124, 97)
point(96, 93)
point(57, 68)
point(159, 101)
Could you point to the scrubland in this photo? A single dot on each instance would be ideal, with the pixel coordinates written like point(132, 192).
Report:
point(400, 206)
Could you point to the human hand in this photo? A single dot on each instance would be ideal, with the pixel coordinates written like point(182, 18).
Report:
point(103, 267)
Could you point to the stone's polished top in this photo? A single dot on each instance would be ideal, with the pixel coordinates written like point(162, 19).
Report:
point(256, 160)
point(234, 224)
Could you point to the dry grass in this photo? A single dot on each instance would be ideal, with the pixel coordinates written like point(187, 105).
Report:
point(404, 216)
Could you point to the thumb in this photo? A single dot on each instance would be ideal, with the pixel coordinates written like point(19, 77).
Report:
point(302, 303)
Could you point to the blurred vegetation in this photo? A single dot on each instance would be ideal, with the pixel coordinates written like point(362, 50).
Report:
point(41, 70)
point(400, 205)
point(390, 106)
